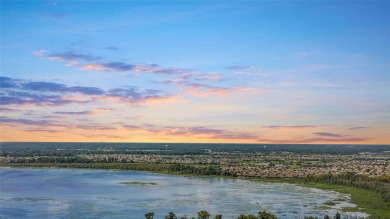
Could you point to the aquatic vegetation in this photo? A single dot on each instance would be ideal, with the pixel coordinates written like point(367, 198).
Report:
point(139, 183)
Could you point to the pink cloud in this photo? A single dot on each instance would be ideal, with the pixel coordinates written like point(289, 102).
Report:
point(201, 90)
point(200, 131)
point(210, 76)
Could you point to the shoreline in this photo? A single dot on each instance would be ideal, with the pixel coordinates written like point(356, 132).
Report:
point(366, 201)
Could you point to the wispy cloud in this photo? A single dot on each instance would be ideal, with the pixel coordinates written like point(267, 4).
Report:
point(44, 130)
point(26, 98)
point(94, 126)
point(289, 126)
point(328, 140)
point(128, 67)
point(200, 131)
point(97, 136)
point(75, 113)
point(4, 109)
point(10, 121)
point(327, 134)
point(66, 56)
point(241, 68)
point(202, 89)
point(213, 76)
point(246, 70)
point(358, 128)
point(320, 140)
point(10, 83)
point(197, 89)
point(90, 63)
point(134, 95)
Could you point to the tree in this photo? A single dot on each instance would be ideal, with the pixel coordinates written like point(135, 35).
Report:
point(218, 216)
point(242, 216)
point(266, 215)
point(149, 215)
point(203, 215)
point(326, 216)
point(338, 216)
point(170, 215)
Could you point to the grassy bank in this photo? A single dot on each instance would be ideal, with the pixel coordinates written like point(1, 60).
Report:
point(367, 201)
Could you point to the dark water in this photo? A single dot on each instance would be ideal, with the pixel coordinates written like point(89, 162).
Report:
point(78, 193)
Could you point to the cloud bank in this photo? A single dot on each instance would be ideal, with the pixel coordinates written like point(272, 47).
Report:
point(23, 92)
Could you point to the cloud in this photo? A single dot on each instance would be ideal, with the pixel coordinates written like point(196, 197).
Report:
point(102, 109)
point(113, 66)
point(25, 98)
point(213, 76)
point(134, 95)
point(60, 88)
point(85, 90)
point(221, 133)
point(94, 136)
point(6, 82)
point(39, 52)
point(358, 128)
point(94, 126)
point(289, 126)
point(70, 56)
point(71, 63)
point(43, 130)
point(327, 134)
point(4, 109)
point(75, 113)
point(44, 86)
point(200, 90)
point(246, 70)
point(241, 68)
point(203, 132)
point(327, 140)
point(126, 67)
point(73, 57)
point(10, 121)
point(22, 92)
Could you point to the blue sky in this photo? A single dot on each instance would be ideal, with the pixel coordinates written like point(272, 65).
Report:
point(207, 71)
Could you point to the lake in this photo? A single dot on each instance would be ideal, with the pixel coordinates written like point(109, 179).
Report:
point(85, 193)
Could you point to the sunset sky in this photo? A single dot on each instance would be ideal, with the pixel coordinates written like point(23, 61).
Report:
point(195, 71)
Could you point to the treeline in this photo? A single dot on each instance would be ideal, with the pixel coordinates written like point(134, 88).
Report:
point(25, 149)
point(380, 184)
point(206, 215)
point(202, 170)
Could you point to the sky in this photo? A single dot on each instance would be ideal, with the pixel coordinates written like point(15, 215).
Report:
point(297, 72)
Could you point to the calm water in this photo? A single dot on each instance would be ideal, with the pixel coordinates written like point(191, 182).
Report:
point(79, 193)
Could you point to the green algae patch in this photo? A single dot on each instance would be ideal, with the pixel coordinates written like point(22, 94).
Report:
point(132, 183)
